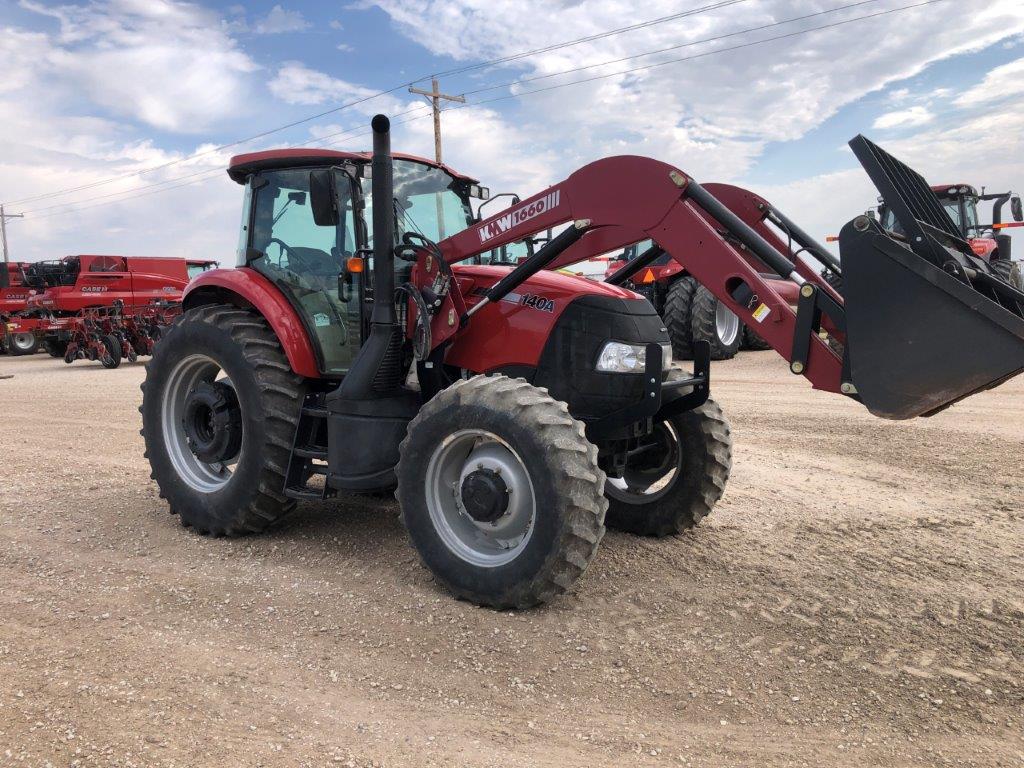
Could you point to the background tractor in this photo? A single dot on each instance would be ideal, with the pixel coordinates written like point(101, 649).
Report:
point(517, 411)
point(691, 312)
point(988, 241)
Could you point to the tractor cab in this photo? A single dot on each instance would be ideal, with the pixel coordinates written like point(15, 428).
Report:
point(324, 267)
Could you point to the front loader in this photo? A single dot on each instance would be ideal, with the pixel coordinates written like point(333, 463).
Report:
point(516, 410)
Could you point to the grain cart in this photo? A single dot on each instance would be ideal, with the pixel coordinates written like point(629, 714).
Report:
point(543, 405)
point(691, 312)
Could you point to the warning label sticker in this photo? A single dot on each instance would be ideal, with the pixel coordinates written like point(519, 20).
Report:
point(761, 312)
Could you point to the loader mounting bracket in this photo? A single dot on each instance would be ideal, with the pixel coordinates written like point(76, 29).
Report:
point(812, 304)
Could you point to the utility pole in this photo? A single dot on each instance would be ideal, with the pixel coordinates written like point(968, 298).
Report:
point(3, 233)
point(435, 97)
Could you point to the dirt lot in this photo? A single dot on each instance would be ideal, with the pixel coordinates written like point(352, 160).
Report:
point(856, 599)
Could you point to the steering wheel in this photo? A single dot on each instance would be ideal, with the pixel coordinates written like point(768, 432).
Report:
point(285, 248)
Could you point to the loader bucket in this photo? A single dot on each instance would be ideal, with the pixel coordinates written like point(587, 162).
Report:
point(928, 324)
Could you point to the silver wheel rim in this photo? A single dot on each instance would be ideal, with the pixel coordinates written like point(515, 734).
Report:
point(727, 324)
point(620, 490)
point(203, 477)
point(487, 545)
point(23, 341)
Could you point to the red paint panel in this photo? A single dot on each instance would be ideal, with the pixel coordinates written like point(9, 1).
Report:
point(266, 298)
point(508, 332)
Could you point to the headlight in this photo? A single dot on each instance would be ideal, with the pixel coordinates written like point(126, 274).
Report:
point(618, 357)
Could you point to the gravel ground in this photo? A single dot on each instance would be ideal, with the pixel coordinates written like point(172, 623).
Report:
point(856, 599)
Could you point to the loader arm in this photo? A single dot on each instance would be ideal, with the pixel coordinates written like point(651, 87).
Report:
point(907, 305)
point(617, 201)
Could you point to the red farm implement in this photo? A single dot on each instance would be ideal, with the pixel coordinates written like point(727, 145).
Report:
point(74, 286)
point(517, 410)
point(14, 295)
point(109, 335)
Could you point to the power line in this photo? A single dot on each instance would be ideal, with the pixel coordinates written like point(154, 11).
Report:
point(362, 100)
point(715, 52)
point(207, 175)
point(205, 172)
point(591, 38)
point(654, 65)
point(690, 44)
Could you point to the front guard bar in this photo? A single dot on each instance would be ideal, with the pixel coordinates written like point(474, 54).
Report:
point(661, 399)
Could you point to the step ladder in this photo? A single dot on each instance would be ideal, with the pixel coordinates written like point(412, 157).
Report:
point(309, 452)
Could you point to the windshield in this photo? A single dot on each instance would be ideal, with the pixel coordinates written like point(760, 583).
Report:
point(427, 200)
point(965, 223)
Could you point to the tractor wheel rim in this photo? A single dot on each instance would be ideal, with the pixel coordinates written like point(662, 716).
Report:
point(727, 324)
point(642, 485)
point(203, 477)
point(23, 341)
point(484, 544)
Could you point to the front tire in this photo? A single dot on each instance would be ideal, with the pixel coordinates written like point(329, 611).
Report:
point(501, 492)
point(676, 482)
point(715, 323)
point(250, 392)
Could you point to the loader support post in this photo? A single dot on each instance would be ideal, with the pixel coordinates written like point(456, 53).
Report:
point(739, 229)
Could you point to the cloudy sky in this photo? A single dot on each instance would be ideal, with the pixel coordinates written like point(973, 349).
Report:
point(763, 93)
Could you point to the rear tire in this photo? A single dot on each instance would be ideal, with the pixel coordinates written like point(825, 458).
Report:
point(112, 358)
point(696, 465)
point(22, 344)
point(530, 551)
point(752, 341)
point(269, 395)
point(715, 323)
point(677, 315)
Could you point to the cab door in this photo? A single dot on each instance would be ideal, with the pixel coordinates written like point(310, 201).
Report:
point(309, 262)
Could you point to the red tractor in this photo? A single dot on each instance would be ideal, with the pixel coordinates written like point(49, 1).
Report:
point(65, 289)
point(516, 410)
point(691, 312)
point(988, 241)
point(14, 296)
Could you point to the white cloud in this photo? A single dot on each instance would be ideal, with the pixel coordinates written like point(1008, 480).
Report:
point(167, 64)
point(714, 115)
point(280, 20)
point(295, 83)
point(1003, 82)
point(903, 118)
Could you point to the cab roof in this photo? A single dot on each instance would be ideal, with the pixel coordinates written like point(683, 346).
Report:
point(242, 165)
point(951, 189)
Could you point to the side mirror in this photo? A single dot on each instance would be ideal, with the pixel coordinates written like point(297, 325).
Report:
point(1016, 209)
point(480, 211)
point(323, 197)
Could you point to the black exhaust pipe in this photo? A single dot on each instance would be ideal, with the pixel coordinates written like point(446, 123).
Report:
point(370, 410)
point(382, 191)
